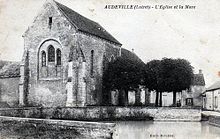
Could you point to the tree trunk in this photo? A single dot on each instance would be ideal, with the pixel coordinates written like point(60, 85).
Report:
point(161, 99)
point(109, 99)
point(156, 100)
point(174, 99)
point(147, 97)
point(125, 97)
point(106, 97)
point(137, 97)
point(120, 98)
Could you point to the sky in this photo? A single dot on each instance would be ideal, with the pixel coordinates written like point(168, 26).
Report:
point(192, 34)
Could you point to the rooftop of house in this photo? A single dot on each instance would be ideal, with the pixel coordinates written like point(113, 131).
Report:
point(198, 79)
point(130, 55)
point(214, 86)
point(9, 69)
point(86, 25)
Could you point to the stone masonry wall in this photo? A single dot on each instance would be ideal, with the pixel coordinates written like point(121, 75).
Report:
point(214, 120)
point(9, 91)
point(107, 113)
point(100, 47)
point(52, 91)
point(35, 36)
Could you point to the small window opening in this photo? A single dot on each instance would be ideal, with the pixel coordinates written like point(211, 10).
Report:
point(58, 57)
point(50, 22)
point(51, 54)
point(92, 63)
point(43, 56)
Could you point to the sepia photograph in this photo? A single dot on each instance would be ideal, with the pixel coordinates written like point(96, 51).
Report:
point(106, 69)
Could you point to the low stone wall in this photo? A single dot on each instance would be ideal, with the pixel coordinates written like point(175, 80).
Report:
point(9, 91)
point(107, 113)
point(214, 120)
point(47, 128)
point(177, 114)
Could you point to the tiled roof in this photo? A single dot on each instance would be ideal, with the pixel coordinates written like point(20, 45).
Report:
point(9, 69)
point(86, 25)
point(214, 86)
point(198, 80)
point(130, 55)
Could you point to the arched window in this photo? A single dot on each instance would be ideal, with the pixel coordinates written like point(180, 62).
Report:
point(92, 62)
point(51, 54)
point(43, 58)
point(58, 57)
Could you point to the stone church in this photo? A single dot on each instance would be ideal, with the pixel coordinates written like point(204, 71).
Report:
point(63, 59)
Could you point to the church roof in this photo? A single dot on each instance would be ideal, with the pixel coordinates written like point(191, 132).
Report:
point(9, 69)
point(130, 55)
point(214, 86)
point(198, 79)
point(86, 25)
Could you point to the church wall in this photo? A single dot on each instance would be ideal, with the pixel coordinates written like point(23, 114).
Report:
point(112, 50)
point(62, 33)
point(100, 47)
point(47, 90)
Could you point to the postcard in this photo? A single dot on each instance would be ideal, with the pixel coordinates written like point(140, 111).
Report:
point(127, 69)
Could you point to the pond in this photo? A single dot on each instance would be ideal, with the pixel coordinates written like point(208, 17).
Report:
point(165, 130)
point(124, 130)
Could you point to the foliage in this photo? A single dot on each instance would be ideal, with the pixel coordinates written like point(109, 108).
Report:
point(151, 77)
point(168, 75)
point(176, 74)
point(123, 74)
point(9, 68)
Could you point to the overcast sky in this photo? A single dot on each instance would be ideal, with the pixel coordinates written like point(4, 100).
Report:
point(154, 34)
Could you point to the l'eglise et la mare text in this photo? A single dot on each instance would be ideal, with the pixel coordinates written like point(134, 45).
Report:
point(164, 7)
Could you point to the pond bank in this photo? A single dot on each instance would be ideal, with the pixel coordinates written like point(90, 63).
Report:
point(32, 127)
point(59, 121)
point(102, 113)
point(212, 116)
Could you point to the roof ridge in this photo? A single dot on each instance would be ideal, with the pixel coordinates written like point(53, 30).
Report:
point(74, 11)
point(85, 24)
point(214, 86)
point(57, 4)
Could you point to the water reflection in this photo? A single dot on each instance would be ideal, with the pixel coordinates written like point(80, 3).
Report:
point(124, 130)
point(165, 130)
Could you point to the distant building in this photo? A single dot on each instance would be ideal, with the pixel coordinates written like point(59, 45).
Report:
point(186, 98)
point(193, 97)
point(211, 97)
